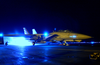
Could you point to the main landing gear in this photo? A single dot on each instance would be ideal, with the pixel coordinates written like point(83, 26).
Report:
point(6, 43)
point(33, 43)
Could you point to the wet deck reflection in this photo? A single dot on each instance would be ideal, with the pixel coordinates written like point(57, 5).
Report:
point(52, 54)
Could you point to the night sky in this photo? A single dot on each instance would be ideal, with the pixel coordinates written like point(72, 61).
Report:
point(45, 15)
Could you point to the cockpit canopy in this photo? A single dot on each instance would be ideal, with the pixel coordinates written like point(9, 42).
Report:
point(66, 31)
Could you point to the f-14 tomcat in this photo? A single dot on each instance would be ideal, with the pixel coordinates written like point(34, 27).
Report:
point(62, 36)
point(66, 36)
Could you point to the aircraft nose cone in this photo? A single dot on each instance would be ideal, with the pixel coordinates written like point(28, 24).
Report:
point(86, 36)
point(82, 36)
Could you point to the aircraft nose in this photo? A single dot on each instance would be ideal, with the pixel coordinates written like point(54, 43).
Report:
point(82, 36)
point(86, 36)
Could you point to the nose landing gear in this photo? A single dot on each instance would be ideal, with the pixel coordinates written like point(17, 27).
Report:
point(6, 43)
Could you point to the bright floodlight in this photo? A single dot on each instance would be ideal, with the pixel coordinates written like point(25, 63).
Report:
point(1, 34)
point(92, 42)
point(45, 34)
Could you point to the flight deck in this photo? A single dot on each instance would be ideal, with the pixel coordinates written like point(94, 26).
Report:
point(47, 55)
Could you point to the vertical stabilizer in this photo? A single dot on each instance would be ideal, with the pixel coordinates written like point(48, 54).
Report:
point(25, 31)
point(34, 31)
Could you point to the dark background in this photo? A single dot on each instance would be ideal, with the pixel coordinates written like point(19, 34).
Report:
point(45, 15)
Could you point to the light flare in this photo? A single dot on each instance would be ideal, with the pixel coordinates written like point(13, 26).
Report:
point(20, 41)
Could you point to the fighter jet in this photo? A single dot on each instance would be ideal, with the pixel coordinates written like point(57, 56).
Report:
point(65, 36)
point(62, 36)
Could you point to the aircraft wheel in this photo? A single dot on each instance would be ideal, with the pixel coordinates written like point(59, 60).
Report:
point(6, 43)
point(33, 43)
point(64, 44)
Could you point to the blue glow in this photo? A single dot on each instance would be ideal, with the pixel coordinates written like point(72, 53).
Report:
point(1, 34)
point(16, 32)
point(92, 42)
point(74, 36)
point(55, 29)
point(70, 36)
point(45, 60)
point(24, 57)
point(45, 34)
